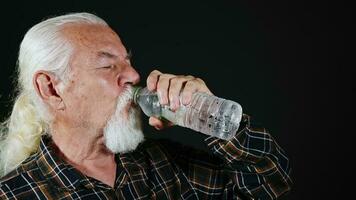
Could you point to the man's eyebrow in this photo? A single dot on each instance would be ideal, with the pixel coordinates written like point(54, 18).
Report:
point(106, 54)
point(129, 55)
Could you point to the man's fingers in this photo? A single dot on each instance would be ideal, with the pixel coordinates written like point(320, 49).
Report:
point(159, 124)
point(192, 86)
point(152, 80)
point(173, 90)
point(176, 85)
point(163, 85)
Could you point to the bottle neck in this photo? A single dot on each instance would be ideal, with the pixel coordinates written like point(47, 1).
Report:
point(136, 91)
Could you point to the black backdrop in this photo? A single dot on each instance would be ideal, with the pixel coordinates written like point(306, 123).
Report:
point(283, 61)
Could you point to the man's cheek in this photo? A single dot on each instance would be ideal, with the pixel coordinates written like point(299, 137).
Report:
point(108, 87)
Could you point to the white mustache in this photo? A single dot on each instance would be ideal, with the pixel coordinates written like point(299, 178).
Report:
point(126, 97)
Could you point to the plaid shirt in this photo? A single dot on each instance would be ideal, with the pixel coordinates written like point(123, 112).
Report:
point(250, 166)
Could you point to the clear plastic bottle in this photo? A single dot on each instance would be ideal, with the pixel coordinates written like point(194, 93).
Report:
point(207, 114)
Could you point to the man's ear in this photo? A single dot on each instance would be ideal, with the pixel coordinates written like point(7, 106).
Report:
point(47, 87)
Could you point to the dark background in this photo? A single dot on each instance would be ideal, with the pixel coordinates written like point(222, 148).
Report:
point(285, 62)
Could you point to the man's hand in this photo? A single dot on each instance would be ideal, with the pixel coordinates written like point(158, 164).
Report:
point(173, 90)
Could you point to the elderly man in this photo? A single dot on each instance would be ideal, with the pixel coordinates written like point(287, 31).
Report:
point(74, 132)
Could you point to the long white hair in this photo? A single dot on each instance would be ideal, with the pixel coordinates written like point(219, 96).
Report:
point(43, 48)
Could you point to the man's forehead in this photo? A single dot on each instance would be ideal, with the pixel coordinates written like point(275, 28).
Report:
point(87, 34)
point(99, 40)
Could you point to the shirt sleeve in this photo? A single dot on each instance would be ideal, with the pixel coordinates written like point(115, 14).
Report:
point(249, 166)
point(256, 164)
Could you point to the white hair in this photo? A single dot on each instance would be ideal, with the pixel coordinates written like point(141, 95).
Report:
point(43, 48)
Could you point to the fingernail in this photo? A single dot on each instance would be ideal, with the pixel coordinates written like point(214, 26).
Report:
point(150, 86)
point(176, 103)
point(161, 98)
point(186, 100)
point(173, 104)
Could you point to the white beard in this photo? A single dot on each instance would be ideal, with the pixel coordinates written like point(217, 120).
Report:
point(123, 133)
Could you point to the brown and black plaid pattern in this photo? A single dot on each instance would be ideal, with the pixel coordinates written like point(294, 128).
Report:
point(250, 166)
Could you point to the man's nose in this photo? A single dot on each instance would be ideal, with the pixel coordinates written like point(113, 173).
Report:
point(129, 76)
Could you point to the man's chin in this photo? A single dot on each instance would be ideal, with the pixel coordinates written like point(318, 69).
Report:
point(124, 135)
point(123, 146)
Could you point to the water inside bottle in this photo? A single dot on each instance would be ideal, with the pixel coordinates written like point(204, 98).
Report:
point(205, 113)
point(213, 116)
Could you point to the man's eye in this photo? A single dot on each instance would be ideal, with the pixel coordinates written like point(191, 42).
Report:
point(109, 67)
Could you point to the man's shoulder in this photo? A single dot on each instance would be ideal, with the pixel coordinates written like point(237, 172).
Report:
point(12, 181)
point(25, 175)
point(171, 147)
point(20, 184)
point(161, 146)
point(178, 152)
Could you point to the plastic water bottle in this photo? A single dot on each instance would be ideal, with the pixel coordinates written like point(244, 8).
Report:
point(205, 113)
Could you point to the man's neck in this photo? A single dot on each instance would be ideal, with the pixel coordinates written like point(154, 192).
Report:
point(86, 151)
